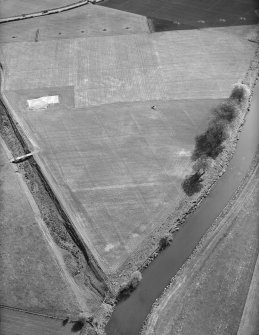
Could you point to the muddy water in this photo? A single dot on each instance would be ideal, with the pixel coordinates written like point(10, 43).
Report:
point(130, 314)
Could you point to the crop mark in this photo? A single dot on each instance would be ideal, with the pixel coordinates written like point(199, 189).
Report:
point(112, 147)
point(129, 185)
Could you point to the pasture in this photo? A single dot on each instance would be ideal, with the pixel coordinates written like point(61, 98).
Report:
point(249, 323)
point(15, 322)
point(30, 276)
point(115, 162)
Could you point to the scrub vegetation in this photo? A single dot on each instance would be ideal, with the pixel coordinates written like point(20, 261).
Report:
point(210, 143)
point(130, 286)
point(165, 241)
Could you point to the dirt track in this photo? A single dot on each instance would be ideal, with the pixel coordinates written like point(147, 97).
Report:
point(249, 324)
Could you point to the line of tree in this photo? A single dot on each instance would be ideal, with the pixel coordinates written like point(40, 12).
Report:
point(210, 143)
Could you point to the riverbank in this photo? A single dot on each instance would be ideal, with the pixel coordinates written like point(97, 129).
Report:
point(211, 287)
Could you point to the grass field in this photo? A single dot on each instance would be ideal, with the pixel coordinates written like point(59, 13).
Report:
point(209, 295)
point(116, 163)
point(121, 165)
point(84, 21)
point(161, 66)
point(195, 13)
point(30, 275)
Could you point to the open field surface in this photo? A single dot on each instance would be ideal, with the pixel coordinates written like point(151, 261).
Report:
point(118, 167)
point(13, 7)
point(30, 275)
point(14, 322)
point(161, 66)
point(195, 13)
point(209, 294)
point(84, 21)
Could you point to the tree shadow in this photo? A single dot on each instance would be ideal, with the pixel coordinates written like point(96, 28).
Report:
point(77, 326)
point(192, 184)
point(125, 293)
point(65, 322)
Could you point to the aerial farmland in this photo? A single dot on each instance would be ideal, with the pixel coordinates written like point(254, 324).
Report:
point(100, 109)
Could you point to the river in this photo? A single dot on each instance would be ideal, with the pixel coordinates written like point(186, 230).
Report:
point(129, 315)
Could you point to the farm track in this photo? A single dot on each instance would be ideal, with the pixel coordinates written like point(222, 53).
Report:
point(55, 218)
point(45, 12)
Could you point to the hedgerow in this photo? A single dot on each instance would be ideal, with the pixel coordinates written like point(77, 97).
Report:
point(210, 144)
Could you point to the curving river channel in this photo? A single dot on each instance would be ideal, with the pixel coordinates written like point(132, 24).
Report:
point(129, 315)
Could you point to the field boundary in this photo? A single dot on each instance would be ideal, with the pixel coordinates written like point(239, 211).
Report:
point(30, 147)
point(33, 313)
point(47, 11)
point(67, 222)
point(55, 254)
